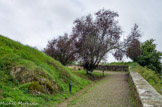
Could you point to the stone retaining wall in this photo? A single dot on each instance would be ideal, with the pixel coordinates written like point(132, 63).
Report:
point(113, 67)
point(75, 67)
point(145, 94)
point(104, 67)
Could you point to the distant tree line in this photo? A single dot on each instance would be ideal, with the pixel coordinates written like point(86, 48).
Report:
point(92, 38)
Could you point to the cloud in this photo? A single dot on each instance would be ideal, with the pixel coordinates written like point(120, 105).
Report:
point(34, 22)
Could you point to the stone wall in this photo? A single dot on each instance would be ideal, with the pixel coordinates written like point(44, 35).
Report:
point(75, 67)
point(103, 67)
point(113, 67)
point(145, 94)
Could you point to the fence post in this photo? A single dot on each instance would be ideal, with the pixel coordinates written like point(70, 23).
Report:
point(70, 87)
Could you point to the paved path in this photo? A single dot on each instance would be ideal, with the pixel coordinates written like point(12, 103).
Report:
point(113, 91)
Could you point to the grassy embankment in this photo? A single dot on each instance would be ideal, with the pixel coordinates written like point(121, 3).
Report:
point(29, 76)
point(153, 78)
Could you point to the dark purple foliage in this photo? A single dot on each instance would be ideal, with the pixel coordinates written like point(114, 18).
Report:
point(62, 49)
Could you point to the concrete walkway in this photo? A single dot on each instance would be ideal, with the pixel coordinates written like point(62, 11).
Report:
point(113, 91)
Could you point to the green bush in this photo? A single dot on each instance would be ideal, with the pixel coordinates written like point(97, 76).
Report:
point(150, 57)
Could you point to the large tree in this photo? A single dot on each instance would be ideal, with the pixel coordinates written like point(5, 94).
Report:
point(133, 49)
point(62, 49)
point(150, 57)
point(96, 36)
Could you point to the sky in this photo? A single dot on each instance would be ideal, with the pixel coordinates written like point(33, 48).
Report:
point(35, 22)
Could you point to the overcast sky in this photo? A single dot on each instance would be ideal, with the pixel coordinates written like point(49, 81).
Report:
point(34, 22)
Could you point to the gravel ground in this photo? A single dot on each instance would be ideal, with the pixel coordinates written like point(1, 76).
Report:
point(113, 91)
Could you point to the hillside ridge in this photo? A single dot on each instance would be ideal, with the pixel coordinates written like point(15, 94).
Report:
point(28, 72)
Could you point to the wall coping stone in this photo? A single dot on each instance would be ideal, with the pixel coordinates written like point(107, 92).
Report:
point(147, 95)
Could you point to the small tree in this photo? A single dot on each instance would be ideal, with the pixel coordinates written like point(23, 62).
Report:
point(133, 50)
point(150, 57)
point(62, 49)
point(96, 37)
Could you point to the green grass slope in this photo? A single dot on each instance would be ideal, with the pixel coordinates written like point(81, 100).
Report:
point(153, 78)
point(29, 77)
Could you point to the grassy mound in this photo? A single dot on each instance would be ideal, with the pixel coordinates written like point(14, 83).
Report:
point(28, 76)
